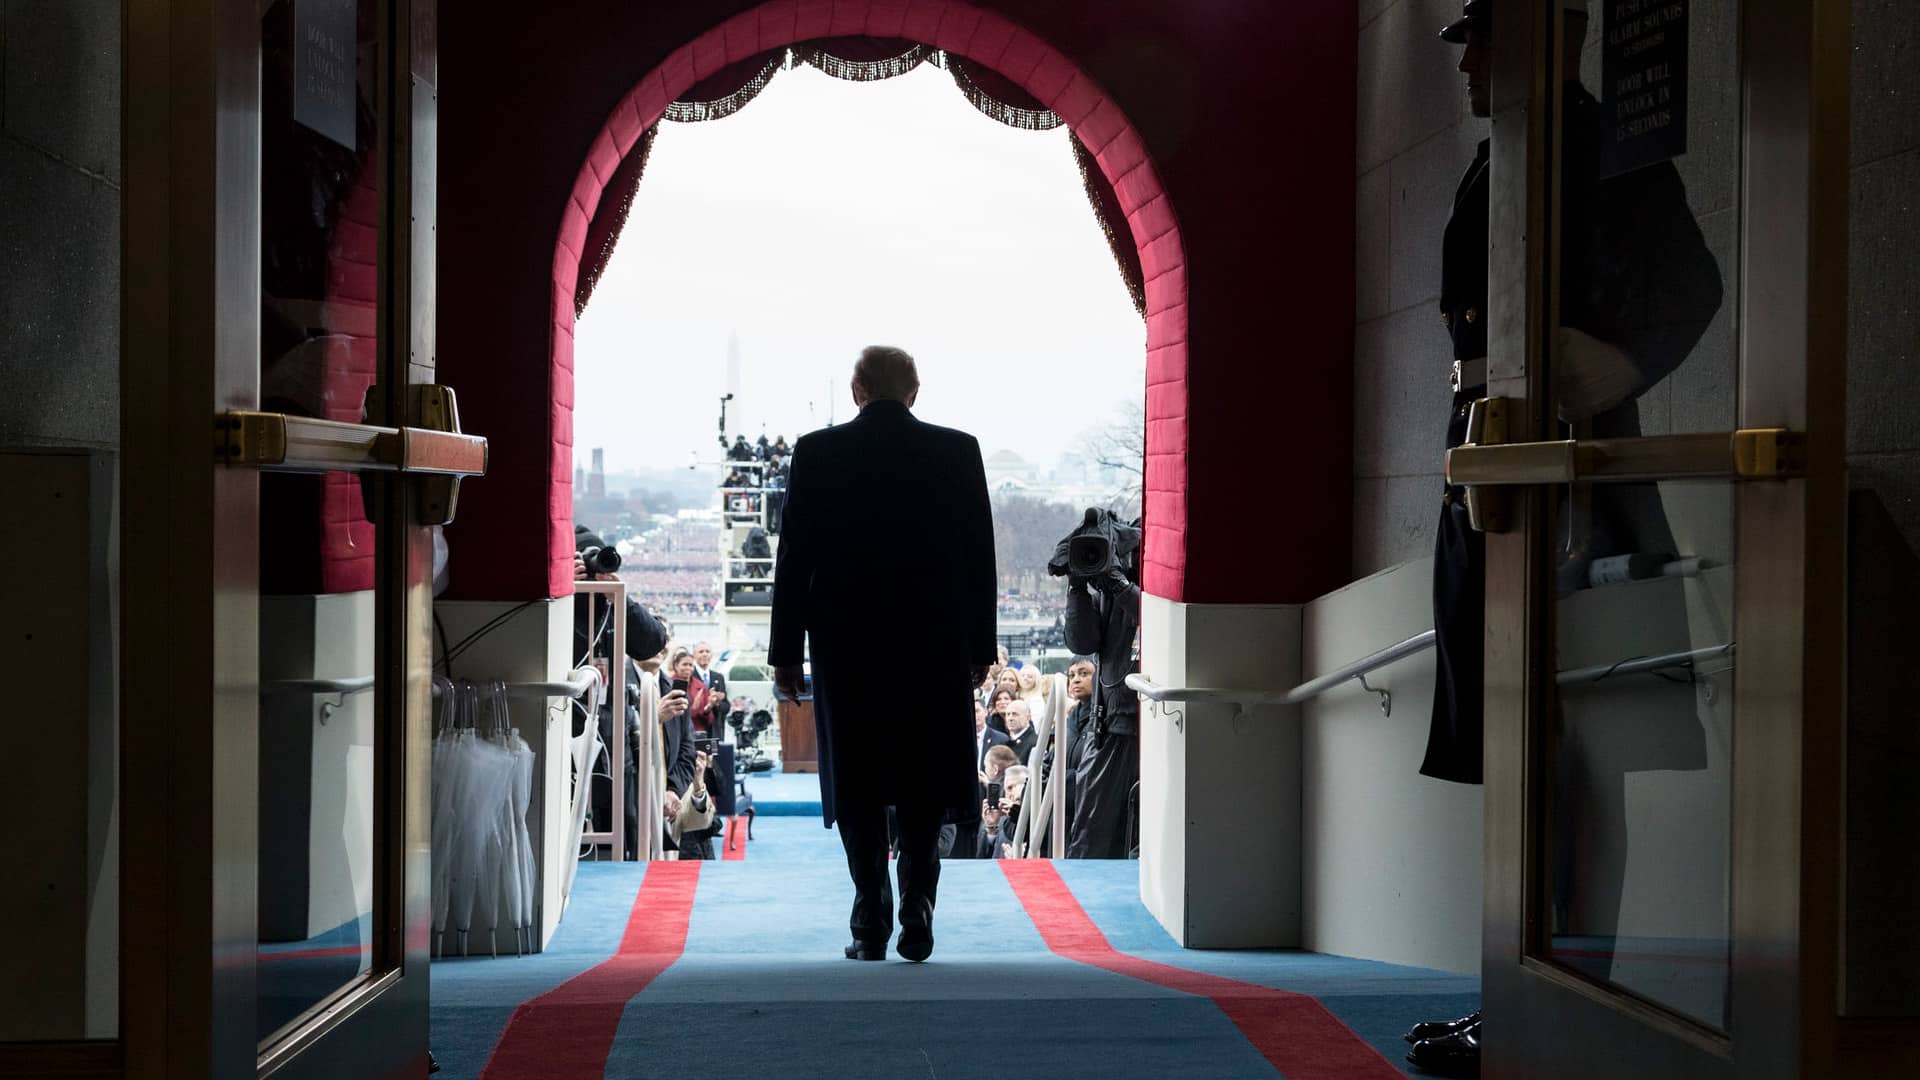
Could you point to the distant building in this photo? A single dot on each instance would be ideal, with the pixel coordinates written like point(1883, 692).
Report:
point(1004, 465)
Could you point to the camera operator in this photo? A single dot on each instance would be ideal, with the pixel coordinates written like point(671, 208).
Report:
point(646, 639)
point(1103, 616)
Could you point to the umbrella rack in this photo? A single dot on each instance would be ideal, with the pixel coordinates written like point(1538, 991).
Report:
point(485, 870)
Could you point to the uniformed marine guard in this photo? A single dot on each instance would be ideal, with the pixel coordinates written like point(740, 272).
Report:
point(1638, 290)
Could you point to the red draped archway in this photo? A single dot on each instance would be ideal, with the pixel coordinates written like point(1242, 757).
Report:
point(987, 39)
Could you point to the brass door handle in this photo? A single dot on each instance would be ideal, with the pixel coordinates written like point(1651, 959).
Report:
point(440, 454)
point(1487, 460)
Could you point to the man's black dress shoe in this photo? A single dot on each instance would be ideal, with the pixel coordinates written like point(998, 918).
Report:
point(916, 943)
point(1457, 1054)
point(867, 950)
point(1440, 1029)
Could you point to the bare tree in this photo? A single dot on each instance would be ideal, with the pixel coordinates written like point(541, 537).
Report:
point(1025, 531)
point(1120, 446)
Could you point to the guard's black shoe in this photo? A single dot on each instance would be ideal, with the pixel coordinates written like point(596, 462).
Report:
point(432, 1065)
point(916, 943)
point(866, 950)
point(1440, 1029)
point(1457, 1054)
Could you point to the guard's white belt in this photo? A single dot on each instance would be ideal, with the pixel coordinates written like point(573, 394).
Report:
point(1468, 373)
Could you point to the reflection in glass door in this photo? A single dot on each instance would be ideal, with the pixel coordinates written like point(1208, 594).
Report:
point(1638, 802)
point(1647, 469)
point(319, 567)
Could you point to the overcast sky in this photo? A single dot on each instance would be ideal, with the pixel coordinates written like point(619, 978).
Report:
point(828, 215)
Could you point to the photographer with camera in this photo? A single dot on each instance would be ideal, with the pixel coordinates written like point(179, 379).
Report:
point(1100, 560)
point(1000, 811)
point(595, 560)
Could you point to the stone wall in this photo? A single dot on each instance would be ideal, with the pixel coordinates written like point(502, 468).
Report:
point(60, 223)
point(1883, 458)
point(1415, 138)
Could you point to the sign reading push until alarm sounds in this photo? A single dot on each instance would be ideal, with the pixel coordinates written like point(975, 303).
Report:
point(1643, 71)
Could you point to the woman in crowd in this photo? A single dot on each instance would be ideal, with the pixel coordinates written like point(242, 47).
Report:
point(997, 712)
point(697, 826)
point(700, 703)
point(1033, 690)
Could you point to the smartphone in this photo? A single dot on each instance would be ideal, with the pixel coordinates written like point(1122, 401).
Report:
point(994, 791)
point(680, 685)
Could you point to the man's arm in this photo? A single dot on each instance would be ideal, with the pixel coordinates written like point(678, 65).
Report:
point(793, 566)
point(979, 582)
point(680, 769)
point(645, 636)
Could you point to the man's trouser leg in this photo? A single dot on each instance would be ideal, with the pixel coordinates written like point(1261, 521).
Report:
point(863, 832)
point(919, 863)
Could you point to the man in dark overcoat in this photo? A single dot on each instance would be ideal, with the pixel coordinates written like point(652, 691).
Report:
point(885, 568)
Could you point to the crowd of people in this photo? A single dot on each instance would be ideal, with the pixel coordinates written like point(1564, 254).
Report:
point(1006, 709)
point(676, 567)
point(693, 766)
point(752, 488)
point(1096, 752)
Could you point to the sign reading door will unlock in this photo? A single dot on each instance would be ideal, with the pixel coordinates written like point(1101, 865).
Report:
point(1643, 76)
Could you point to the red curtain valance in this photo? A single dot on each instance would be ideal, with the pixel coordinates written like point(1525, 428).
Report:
point(863, 59)
point(603, 232)
point(728, 90)
point(857, 59)
point(998, 96)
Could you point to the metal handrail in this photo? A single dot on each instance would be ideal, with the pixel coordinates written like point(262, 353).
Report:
point(615, 836)
point(1366, 665)
point(1313, 687)
point(577, 683)
point(1049, 803)
point(352, 684)
point(1639, 664)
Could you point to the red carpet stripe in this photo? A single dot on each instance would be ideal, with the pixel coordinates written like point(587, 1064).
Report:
point(736, 845)
point(314, 954)
point(1293, 1031)
point(567, 1032)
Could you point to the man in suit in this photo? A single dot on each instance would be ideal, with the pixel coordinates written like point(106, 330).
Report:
point(985, 738)
point(886, 564)
point(715, 682)
point(1020, 733)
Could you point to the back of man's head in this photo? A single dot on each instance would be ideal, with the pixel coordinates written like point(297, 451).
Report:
point(885, 373)
point(1001, 758)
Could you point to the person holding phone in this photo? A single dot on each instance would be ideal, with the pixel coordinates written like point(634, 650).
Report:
point(691, 827)
point(686, 678)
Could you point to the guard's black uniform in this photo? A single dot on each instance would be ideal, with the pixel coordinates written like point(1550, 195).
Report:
point(1636, 274)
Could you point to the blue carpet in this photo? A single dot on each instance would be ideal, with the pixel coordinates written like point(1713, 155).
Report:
point(762, 990)
point(785, 794)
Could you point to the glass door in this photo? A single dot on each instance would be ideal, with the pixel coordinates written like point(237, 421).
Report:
point(280, 234)
point(1648, 468)
point(360, 456)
